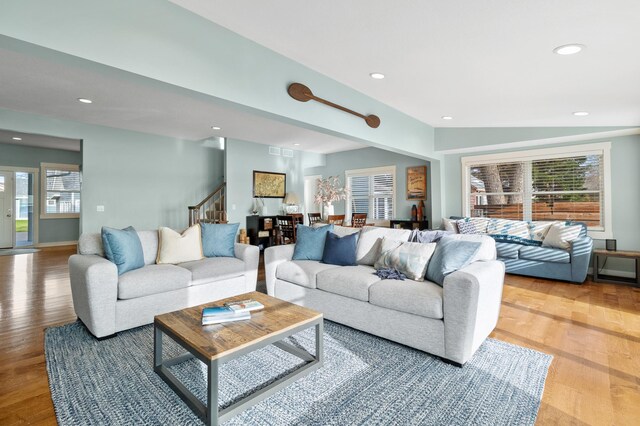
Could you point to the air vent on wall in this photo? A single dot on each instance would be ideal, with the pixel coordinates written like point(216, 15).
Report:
point(287, 152)
point(274, 150)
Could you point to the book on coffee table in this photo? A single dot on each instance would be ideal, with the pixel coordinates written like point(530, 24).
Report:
point(220, 314)
point(245, 305)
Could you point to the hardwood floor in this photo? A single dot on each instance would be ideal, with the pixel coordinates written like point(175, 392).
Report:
point(592, 330)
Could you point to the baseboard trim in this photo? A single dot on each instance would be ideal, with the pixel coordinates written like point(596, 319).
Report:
point(57, 243)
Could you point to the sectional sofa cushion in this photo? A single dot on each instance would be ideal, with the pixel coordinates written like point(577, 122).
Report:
point(302, 272)
point(349, 281)
point(218, 239)
point(149, 241)
point(369, 242)
point(507, 250)
point(177, 248)
point(340, 251)
point(123, 247)
point(451, 254)
point(409, 258)
point(214, 269)
point(545, 254)
point(419, 298)
point(310, 242)
point(152, 279)
point(560, 235)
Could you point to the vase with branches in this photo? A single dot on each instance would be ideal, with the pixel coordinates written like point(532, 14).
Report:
point(329, 190)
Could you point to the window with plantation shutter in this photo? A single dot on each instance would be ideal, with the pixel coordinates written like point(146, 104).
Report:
point(372, 192)
point(60, 191)
point(557, 184)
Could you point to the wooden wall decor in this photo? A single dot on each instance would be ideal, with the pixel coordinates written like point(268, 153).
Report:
point(417, 183)
point(302, 93)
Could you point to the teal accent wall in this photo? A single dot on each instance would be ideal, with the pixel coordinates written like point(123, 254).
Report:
point(162, 41)
point(142, 180)
point(49, 230)
point(625, 198)
point(243, 157)
point(337, 163)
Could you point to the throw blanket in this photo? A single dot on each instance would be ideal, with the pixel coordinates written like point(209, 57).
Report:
point(418, 236)
point(390, 274)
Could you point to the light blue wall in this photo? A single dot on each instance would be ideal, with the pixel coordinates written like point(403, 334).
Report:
point(142, 180)
point(49, 230)
point(448, 138)
point(625, 198)
point(242, 158)
point(338, 162)
point(160, 40)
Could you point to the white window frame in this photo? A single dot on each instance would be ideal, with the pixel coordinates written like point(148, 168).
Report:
point(43, 193)
point(370, 172)
point(600, 148)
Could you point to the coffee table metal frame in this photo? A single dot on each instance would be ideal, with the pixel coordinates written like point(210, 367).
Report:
point(209, 413)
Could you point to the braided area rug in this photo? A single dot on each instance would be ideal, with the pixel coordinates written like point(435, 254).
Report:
point(365, 380)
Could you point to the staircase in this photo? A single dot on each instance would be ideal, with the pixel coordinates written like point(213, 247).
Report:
point(211, 209)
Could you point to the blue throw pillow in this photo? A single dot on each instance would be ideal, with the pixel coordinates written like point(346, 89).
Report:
point(340, 251)
point(123, 247)
point(450, 255)
point(310, 242)
point(218, 239)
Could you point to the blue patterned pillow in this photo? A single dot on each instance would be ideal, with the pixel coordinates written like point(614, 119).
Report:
point(465, 227)
point(513, 239)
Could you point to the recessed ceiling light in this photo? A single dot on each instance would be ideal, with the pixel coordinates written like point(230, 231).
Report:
point(296, 144)
point(568, 49)
point(216, 128)
point(17, 139)
point(580, 113)
point(377, 75)
point(85, 100)
point(447, 117)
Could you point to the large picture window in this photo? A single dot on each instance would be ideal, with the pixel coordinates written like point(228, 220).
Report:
point(373, 191)
point(569, 183)
point(60, 191)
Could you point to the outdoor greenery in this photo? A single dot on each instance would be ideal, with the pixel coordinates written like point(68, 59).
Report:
point(22, 225)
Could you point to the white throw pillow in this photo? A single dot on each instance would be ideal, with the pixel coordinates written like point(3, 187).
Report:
point(369, 242)
point(409, 258)
point(177, 248)
point(449, 225)
point(561, 235)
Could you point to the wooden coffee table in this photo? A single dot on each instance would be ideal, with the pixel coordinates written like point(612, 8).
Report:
point(217, 344)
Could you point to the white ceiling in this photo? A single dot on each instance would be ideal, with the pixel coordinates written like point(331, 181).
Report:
point(486, 63)
point(40, 141)
point(121, 100)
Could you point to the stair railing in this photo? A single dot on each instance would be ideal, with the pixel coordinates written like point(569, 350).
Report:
point(211, 209)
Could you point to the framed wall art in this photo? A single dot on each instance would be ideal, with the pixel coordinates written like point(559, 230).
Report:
point(417, 183)
point(269, 184)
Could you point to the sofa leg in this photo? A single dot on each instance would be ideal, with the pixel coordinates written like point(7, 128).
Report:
point(448, 361)
point(111, 336)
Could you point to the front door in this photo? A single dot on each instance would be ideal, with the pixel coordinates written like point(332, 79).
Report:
point(6, 209)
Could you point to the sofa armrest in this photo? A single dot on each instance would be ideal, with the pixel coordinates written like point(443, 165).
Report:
point(580, 253)
point(273, 256)
point(250, 255)
point(471, 298)
point(94, 289)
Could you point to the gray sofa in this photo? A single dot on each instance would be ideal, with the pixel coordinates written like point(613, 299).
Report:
point(107, 303)
point(450, 321)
